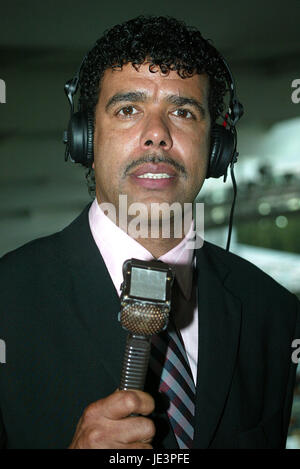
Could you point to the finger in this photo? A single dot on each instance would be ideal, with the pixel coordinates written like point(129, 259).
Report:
point(131, 429)
point(121, 404)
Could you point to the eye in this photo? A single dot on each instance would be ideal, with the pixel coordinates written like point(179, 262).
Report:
point(127, 111)
point(184, 113)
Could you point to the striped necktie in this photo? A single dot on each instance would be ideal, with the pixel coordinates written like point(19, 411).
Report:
point(169, 361)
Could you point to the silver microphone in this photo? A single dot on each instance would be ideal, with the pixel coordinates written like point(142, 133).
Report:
point(145, 306)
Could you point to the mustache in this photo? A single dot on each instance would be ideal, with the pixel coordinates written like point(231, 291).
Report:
point(150, 158)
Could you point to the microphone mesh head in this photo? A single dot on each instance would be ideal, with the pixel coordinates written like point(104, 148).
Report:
point(143, 319)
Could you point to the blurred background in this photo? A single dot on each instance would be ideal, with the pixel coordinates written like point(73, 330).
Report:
point(41, 47)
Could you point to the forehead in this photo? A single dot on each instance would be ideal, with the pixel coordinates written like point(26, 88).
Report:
point(156, 85)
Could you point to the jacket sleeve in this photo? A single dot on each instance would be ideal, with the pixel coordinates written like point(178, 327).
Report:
point(291, 379)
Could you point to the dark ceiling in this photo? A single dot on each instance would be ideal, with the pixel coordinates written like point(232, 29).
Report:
point(255, 29)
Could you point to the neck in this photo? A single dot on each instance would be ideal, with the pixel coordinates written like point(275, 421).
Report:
point(158, 247)
point(158, 236)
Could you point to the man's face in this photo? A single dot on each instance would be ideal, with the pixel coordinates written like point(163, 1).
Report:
point(151, 137)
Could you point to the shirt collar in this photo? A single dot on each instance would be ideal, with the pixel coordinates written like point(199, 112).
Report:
point(116, 246)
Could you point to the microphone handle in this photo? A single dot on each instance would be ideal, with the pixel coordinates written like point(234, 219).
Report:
point(135, 362)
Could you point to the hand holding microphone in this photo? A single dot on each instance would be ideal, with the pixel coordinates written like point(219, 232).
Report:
point(108, 424)
point(119, 421)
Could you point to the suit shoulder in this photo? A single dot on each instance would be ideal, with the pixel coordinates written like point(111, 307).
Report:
point(246, 275)
point(47, 251)
point(25, 258)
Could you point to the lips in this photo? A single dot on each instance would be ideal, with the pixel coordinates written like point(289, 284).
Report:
point(151, 168)
point(154, 176)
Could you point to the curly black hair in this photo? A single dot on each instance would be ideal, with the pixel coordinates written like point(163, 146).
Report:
point(163, 41)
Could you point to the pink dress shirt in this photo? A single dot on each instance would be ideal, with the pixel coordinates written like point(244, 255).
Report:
point(116, 246)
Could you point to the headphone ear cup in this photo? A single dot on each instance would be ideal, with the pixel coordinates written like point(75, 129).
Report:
point(81, 137)
point(221, 151)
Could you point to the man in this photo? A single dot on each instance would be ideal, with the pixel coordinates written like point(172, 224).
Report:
point(154, 88)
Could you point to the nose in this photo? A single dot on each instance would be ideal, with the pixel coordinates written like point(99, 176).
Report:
point(156, 134)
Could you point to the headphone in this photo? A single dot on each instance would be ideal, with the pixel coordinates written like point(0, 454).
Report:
point(79, 136)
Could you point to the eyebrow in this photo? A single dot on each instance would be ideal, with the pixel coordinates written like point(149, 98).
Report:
point(182, 101)
point(140, 96)
point(131, 96)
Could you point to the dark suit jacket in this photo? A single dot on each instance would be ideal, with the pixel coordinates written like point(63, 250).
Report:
point(64, 346)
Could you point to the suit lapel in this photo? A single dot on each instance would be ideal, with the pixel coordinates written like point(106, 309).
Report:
point(95, 300)
point(219, 326)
